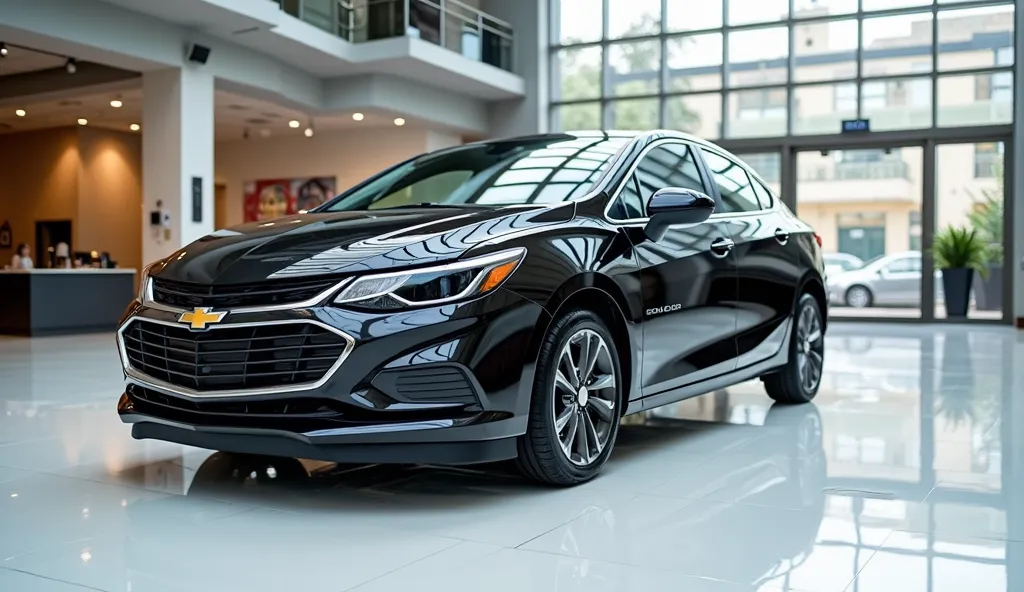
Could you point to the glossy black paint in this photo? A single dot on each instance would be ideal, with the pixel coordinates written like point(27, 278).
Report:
point(674, 206)
point(706, 305)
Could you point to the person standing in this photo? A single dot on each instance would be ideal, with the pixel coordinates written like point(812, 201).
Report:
point(22, 258)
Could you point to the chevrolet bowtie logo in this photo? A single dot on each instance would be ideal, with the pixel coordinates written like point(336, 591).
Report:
point(199, 318)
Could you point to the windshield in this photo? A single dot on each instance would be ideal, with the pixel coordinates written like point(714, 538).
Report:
point(526, 171)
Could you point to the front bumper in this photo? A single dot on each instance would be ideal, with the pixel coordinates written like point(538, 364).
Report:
point(360, 412)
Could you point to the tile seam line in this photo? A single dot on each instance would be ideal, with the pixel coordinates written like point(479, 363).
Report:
point(42, 577)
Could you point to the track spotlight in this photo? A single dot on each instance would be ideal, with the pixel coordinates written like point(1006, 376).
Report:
point(3, 50)
point(71, 66)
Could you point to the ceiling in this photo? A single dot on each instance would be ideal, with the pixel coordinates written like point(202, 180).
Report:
point(20, 60)
point(235, 116)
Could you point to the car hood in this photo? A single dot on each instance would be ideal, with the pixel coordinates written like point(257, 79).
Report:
point(345, 242)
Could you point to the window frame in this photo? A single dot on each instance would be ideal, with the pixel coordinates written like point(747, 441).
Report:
point(696, 149)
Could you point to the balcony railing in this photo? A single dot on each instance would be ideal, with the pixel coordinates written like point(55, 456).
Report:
point(448, 23)
point(856, 171)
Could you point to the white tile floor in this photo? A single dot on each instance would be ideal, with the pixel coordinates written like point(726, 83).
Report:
point(905, 476)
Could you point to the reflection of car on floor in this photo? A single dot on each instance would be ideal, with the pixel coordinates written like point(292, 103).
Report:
point(786, 469)
point(888, 280)
point(485, 302)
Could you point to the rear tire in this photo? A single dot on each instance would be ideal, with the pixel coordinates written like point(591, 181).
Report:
point(798, 381)
point(575, 407)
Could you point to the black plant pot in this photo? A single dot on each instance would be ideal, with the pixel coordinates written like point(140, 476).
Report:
point(956, 287)
point(988, 293)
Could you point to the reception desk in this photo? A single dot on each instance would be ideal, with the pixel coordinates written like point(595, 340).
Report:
point(38, 302)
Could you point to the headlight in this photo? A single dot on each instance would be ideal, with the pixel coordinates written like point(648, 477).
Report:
point(432, 285)
point(144, 284)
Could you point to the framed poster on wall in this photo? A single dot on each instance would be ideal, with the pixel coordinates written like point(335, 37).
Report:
point(267, 199)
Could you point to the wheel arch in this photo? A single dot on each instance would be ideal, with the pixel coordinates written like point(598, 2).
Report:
point(812, 284)
point(601, 295)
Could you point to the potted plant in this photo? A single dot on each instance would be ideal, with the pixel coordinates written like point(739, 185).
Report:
point(987, 220)
point(958, 253)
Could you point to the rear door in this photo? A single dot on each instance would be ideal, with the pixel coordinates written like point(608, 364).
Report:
point(688, 278)
point(767, 257)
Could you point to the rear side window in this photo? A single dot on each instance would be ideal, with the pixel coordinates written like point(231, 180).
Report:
point(733, 183)
point(764, 195)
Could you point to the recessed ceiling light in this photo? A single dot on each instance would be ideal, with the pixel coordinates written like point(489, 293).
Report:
point(134, 127)
point(3, 50)
point(19, 112)
point(357, 116)
point(308, 132)
point(116, 103)
point(399, 121)
point(83, 121)
point(294, 123)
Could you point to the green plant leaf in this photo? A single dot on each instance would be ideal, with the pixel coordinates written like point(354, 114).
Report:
point(957, 247)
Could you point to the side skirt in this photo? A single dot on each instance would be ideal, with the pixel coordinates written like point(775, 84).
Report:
point(781, 358)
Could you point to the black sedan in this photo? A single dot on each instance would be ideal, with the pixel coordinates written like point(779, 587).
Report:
point(497, 300)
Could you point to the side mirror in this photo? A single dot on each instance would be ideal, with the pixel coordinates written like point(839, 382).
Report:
point(675, 205)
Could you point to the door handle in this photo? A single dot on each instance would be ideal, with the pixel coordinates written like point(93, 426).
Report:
point(721, 247)
point(782, 236)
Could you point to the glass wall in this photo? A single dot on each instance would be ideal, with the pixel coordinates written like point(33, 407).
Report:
point(725, 69)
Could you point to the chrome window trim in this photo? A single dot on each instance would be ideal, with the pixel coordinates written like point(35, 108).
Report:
point(323, 296)
point(692, 144)
point(145, 380)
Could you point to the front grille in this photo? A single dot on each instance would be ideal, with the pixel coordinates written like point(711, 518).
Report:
point(269, 293)
point(230, 358)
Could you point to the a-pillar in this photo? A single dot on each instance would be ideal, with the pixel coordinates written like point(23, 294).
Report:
point(177, 159)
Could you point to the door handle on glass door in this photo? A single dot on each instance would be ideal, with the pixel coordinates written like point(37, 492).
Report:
point(721, 247)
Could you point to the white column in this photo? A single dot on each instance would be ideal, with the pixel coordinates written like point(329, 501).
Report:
point(177, 146)
point(1016, 192)
point(529, 115)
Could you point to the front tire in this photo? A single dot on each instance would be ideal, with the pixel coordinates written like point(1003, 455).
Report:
point(575, 411)
point(798, 381)
point(859, 297)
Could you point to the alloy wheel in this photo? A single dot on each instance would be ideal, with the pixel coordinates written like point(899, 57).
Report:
point(810, 348)
point(584, 397)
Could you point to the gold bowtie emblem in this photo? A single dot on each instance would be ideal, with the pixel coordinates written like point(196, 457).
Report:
point(199, 318)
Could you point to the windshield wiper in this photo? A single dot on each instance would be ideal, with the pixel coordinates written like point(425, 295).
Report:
point(427, 204)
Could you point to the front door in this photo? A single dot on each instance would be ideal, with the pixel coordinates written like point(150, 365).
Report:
point(688, 281)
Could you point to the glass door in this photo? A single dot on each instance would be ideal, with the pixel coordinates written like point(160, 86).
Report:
point(866, 205)
point(970, 179)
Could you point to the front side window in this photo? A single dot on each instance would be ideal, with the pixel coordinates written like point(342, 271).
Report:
point(492, 174)
point(734, 186)
point(666, 165)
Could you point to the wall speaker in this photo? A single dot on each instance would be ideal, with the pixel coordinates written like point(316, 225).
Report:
point(198, 53)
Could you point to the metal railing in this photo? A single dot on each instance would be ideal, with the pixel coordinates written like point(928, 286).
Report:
point(449, 23)
point(856, 171)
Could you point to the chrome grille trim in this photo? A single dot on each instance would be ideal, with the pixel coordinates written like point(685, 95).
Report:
point(320, 298)
point(145, 380)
